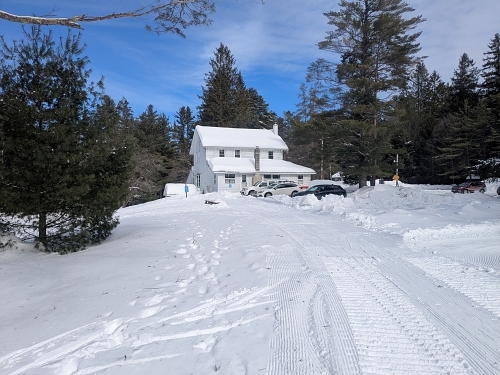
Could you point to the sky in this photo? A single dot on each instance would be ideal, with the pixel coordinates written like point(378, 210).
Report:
point(272, 42)
point(389, 280)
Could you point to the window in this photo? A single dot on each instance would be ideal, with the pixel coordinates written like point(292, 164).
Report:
point(215, 179)
point(243, 178)
point(300, 179)
point(267, 176)
point(271, 155)
point(276, 176)
point(198, 180)
point(221, 153)
point(236, 153)
point(230, 178)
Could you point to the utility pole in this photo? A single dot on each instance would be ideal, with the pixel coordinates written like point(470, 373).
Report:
point(321, 157)
point(397, 169)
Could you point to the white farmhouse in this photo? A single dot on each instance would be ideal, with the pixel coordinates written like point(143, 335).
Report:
point(227, 159)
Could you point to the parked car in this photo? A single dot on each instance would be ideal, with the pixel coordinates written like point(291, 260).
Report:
point(498, 190)
point(469, 187)
point(287, 188)
point(322, 190)
point(259, 185)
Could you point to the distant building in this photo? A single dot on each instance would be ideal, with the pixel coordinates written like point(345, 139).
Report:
point(227, 159)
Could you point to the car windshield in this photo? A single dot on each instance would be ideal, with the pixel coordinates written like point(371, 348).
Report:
point(314, 188)
point(464, 184)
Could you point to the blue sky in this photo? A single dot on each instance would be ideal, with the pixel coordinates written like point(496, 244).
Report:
point(273, 44)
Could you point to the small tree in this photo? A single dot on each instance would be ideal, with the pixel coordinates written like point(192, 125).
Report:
point(62, 163)
point(183, 130)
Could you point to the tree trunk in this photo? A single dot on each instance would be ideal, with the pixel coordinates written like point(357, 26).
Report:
point(362, 181)
point(42, 229)
point(372, 180)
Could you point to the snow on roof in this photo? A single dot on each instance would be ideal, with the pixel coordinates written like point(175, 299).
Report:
point(237, 137)
point(247, 165)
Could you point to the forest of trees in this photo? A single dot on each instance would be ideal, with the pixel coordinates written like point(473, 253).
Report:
point(380, 104)
point(70, 155)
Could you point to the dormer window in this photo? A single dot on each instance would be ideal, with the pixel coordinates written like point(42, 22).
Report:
point(236, 153)
point(221, 153)
point(270, 155)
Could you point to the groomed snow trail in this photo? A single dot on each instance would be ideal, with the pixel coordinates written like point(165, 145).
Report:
point(258, 286)
point(347, 305)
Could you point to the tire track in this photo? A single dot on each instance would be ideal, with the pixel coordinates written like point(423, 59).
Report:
point(443, 331)
point(392, 335)
point(479, 285)
point(313, 332)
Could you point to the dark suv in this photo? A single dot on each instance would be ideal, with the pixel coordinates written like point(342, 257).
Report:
point(322, 190)
point(469, 187)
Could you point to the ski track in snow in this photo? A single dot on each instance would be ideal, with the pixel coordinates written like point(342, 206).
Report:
point(342, 304)
point(356, 308)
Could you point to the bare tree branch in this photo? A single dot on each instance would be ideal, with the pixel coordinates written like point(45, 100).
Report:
point(171, 16)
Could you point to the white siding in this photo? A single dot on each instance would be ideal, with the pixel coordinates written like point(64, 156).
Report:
point(210, 182)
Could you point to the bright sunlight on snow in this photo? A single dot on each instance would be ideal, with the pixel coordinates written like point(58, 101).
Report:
point(390, 280)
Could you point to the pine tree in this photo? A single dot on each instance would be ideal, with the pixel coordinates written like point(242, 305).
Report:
point(182, 134)
point(153, 156)
point(226, 101)
point(61, 176)
point(152, 132)
point(183, 129)
point(491, 95)
point(218, 95)
point(464, 88)
point(376, 52)
point(422, 105)
point(127, 121)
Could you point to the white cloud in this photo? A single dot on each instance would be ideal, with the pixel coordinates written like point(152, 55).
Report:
point(273, 44)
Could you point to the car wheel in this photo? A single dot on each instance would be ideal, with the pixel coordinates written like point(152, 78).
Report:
point(293, 194)
point(267, 195)
point(481, 191)
point(252, 193)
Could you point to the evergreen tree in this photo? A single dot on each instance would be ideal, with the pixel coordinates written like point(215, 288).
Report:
point(62, 165)
point(218, 95)
point(422, 105)
point(312, 101)
point(464, 88)
point(260, 115)
point(153, 156)
point(376, 52)
point(127, 121)
point(491, 68)
point(226, 102)
point(183, 129)
point(182, 135)
point(491, 94)
point(462, 144)
point(152, 132)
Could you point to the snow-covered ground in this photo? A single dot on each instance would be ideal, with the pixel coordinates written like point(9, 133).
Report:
point(390, 280)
